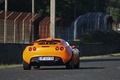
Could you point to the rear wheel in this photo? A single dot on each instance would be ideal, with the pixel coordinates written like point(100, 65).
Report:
point(26, 66)
point(77, 65)
point(70, 64)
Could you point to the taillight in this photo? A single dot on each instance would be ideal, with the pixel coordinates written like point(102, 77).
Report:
point(57, 48)
point(61, 48)
point(34, 48)
point(30, 48)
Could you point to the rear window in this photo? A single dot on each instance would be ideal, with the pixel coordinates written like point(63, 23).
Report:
point(53, 42)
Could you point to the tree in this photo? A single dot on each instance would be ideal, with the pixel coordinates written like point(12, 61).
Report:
point(67, 8)
point(20, 6)
point(114, 9)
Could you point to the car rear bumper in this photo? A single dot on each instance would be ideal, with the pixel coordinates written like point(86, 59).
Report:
point(35, 61)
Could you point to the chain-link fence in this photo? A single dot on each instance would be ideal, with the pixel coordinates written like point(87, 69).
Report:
point(91, 22)
point(16, 27)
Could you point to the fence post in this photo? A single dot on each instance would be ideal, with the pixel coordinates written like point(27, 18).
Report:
point(23, 28)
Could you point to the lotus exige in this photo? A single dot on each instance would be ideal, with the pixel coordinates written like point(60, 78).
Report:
point(50, 52)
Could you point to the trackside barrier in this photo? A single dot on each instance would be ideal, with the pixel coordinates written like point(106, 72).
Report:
point(92, 49)
point(98, 49)
point(12, 53)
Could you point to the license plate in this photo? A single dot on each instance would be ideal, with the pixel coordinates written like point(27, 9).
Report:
point(46, 58)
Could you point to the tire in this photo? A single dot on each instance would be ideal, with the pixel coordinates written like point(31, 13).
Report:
point(26, 66)
point(77, 65)
point(70, 64)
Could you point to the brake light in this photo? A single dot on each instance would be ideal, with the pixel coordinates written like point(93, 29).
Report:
point(30, 48)
point(57, 48)
point(61, 48)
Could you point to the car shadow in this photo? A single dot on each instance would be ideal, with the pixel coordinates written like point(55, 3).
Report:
point(92, 68)
point(63, 68)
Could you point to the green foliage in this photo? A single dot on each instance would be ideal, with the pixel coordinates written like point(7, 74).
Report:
point(65, 8)
point(114, 9)
point(70, 9)
point(22, 5)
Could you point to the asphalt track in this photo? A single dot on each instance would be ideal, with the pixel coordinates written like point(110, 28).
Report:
point(107, 68)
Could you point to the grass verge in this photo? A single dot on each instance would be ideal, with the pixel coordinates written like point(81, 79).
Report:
point(9, 66)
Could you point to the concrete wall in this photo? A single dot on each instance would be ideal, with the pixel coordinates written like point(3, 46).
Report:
point(12, 53)
point(99, 49)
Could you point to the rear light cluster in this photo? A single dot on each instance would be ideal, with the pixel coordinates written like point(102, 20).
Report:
point(59, 48)
point(32, 48)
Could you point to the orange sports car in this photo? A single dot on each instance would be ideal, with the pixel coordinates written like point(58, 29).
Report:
point(50, 52)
